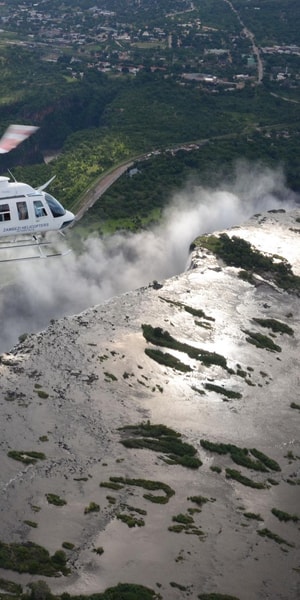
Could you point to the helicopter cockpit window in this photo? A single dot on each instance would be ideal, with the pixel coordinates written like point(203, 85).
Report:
point(4, 212)
point(39, 209)
point(22, 210)
point(56, 208)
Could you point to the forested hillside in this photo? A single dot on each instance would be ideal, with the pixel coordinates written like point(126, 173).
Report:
point(119, 82)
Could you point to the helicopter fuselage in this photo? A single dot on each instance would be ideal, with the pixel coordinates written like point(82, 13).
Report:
point(26, 211)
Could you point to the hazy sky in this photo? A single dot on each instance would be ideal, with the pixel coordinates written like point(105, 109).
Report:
point(45, 289)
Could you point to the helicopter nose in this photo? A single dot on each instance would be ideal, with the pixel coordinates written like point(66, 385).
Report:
point(69, 218)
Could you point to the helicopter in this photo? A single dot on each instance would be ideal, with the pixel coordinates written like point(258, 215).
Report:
point(28, 214)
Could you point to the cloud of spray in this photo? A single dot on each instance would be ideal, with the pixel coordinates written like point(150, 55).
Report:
point(56, 287)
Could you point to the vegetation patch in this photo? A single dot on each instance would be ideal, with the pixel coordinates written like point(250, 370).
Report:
point(41, 393)
point(284, 516)
point(130, 520)
point(237, 252)
point(68, 545)
point(31, 523)
point(33, 559)
point(295, 405)
point(220, 390)
point(160, 438)
point(160, 337)
point(199, 500)
point(215, 596)
point(55, 499)
point(92, 507)
point(166, 359)
point(273, 536)
point(28, 458)
point(110, 376)
point(251, 515)
point(148, 485)
point(195, 312)
point(112, 485)
point(185, 523)
point(10, 587)
point(99, 550)
point(237, 476)
point(241, 456)
point(261, 341)
point(275, 326)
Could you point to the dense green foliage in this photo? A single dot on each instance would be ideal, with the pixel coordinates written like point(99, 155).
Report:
point(237, 252)
point(261, 341)
point(147, 484)
point(162, 439)
point(242, 457)
point(31, 558)
point(220, 390)
point(27, 457)
point(238, 476)
point(122, 591)
point(160, 337)
point(273, 536)
point(275, 325)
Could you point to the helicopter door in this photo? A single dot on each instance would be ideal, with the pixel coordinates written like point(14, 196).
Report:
point(39, 209)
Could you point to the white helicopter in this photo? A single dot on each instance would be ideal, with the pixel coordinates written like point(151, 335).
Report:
point(27, 214)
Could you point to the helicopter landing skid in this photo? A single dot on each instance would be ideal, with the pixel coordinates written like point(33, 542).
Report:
point(30, 243)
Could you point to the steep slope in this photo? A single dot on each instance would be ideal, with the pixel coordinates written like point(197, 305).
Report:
point(67, 391)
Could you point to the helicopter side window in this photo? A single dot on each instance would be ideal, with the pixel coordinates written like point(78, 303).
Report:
point(4, 212)
point(39, 209)
point(22, 210)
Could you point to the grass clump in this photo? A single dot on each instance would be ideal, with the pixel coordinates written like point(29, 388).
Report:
point(99, 550)
point(220, 390)
point(128, 591)
point(215, 596)
point(195, 312)
point(242, 457)
point(92, 507)
point(166, 359)
point(160, 337)
point(275, 326)
point(273, 536)
point(199, 500)
point(237, 476)
point(68, 545)
point(55, 499)
point(295, 405)
point(284, 516)
point(270, 463)
point(251, 515)
point(261, 341)
point(33, 559)
point(160, 438)
point(10, 587)
point(110, 376)
point(148, 485)
point(112, 485)
point(28, 458)
point(130, 520)
point(30, 523)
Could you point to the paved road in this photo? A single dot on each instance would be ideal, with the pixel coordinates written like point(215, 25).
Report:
point(95, 191)
point(250, 36)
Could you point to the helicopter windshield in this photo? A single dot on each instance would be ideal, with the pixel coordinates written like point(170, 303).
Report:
point(56, 208)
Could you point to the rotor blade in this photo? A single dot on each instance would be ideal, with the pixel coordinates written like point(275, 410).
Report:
point(14, 135)
point(43, 187)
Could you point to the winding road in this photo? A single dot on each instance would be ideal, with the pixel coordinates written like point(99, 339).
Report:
point(248, 34)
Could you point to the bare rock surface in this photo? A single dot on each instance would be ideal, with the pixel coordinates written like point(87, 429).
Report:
point(67, 390)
